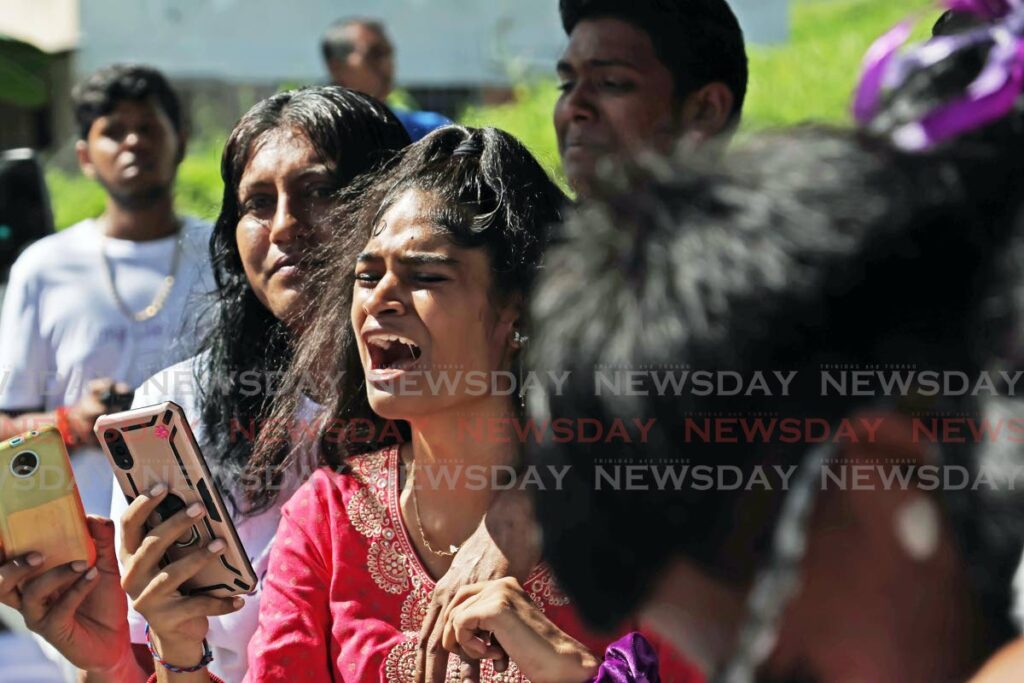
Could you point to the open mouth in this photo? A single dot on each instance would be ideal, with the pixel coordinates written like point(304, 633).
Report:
point(392, 352)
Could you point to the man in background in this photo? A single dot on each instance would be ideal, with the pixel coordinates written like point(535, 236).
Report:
point(643, 75)
point(359, 55)
point(93, 310)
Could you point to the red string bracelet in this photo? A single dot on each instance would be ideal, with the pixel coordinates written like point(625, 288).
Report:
point(64, 427)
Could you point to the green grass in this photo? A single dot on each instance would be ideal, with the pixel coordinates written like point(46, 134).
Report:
point(813, 75)
point(809, 78)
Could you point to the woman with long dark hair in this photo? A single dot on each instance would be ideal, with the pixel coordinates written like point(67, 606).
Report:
point(282, 167)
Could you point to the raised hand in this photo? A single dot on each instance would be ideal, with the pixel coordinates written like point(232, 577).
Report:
point(178, 623)
point(497, 619)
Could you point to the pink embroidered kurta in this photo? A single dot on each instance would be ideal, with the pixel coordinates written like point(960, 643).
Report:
point(346, 593)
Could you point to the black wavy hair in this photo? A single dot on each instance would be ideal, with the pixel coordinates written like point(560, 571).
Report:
point(493, 195)
point(352, 133)
point(699, 41)
point(101, 92)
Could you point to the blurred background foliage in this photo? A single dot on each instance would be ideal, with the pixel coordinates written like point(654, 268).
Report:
point(810, 78)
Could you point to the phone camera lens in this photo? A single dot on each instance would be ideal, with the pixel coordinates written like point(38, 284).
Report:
point(111, 436)
point(122, 456)
point(24, 464)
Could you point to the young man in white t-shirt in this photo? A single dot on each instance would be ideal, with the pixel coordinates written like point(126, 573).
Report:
point(97, 308)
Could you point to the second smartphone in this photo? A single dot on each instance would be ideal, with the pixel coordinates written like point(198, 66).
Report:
point(155, 445)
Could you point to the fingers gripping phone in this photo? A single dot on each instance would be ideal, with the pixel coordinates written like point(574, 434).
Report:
point(40, 509)
point(155, 445)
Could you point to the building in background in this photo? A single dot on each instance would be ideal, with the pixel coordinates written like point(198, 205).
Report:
point(37, 43)
point(226, 54)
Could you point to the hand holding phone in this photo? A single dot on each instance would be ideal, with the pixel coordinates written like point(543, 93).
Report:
point(154, 446)
point(40, 509)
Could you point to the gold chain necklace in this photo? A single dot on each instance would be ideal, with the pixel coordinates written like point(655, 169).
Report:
point(419, 524)
point(162, 293)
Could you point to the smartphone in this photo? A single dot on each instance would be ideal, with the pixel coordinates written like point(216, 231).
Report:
point(40, 509)
point(155, 445)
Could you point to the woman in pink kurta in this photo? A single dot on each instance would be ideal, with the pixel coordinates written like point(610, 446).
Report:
point(346, 592)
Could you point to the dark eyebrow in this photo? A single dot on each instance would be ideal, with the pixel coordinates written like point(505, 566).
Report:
point(417, 258)
point(599, 63)
point(313, 171)
point(421, 258)
point(564, 67)
point(318, 170)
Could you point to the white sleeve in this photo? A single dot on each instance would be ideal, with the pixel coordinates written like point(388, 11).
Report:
point(1017, 609)
point(24, 360)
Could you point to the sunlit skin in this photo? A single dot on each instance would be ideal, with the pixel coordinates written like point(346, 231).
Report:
point(616, 95)
point(284, 192)
point(865, 609)
point(413, 282)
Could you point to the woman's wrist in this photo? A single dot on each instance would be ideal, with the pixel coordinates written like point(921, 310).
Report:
point(176, 652)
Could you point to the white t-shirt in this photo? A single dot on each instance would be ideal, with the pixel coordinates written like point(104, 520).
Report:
point(229, 635)
point(61, 326)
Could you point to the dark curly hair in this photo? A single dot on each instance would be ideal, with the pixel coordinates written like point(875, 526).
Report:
point(101, 92)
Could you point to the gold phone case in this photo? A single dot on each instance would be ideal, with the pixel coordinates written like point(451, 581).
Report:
point(155, 445)
point(40, 509)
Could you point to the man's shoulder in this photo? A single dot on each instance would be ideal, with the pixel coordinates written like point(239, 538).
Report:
point(46, 252)
point(194, 225)
point(196, 230)
point(420, 123)
point(427, 118)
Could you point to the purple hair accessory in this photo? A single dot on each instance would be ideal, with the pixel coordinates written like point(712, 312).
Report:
point(988, 99)
point(630, 659)
point(878, 57)
point(991, 96)
point(987, 9)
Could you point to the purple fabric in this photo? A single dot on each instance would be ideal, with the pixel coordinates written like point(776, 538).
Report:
point(630, 659)
point(991, 96)
point(865, 100)
point(989, 9)
point(988, 98)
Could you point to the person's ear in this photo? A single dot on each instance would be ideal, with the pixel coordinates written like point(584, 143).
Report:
point(510, 320)
point(707, 112)
point(507, 330)
point(886, 478)
point(84, 160)
point(182, 146)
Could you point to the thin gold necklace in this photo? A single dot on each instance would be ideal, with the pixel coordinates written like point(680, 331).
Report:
point(419, 524)
point(162, 293)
